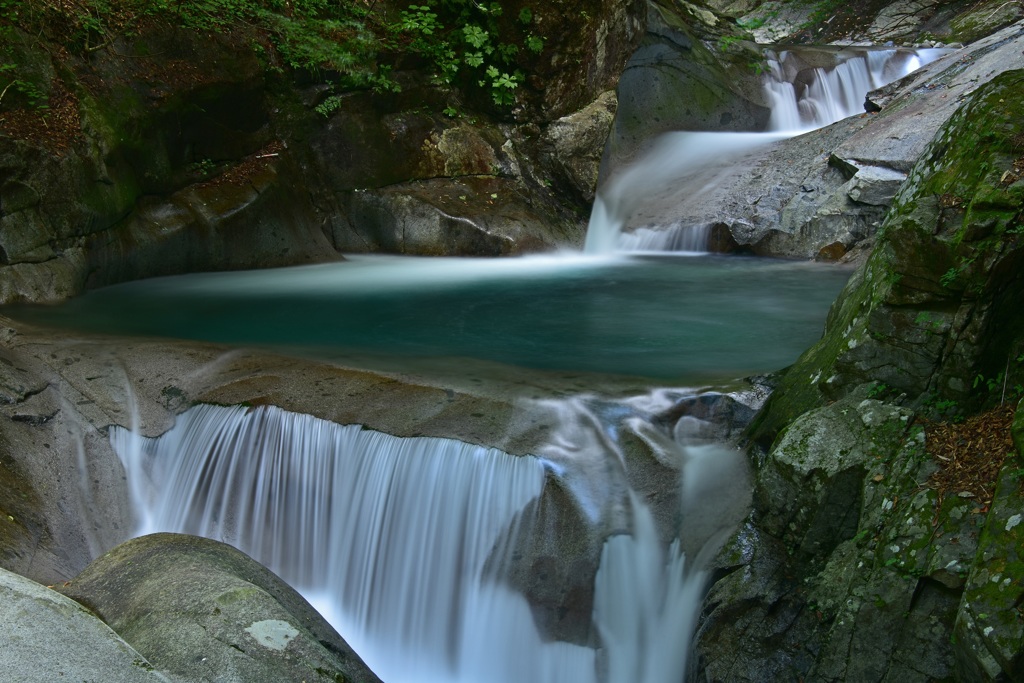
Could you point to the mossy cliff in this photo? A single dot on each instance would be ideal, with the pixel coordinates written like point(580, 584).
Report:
point(885, 540)
point(936, 306)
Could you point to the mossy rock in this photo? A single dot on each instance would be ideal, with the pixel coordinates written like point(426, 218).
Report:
point(674, 81)
point(983, 18)
point(937, 303)
point(990, 622)
point(1018, 432)
point(193, 606)
point(809, 487)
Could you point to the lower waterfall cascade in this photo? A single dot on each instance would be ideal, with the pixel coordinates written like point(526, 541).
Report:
point(389, 537)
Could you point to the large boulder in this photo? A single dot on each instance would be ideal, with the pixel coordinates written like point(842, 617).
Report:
point(856, 564)
point(682, 78)
point(202, 611)
point(48, 637)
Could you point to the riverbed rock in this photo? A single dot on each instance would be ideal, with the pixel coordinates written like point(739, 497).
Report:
point(48, 637)
point(875, 185)
point(57, 470)
point(468, 216)
point(200, 610)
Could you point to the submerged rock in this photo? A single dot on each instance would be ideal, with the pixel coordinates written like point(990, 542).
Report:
point(202, 611)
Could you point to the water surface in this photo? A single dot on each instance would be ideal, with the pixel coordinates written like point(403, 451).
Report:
point(669, 317)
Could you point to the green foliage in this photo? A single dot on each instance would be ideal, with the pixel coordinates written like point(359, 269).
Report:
point(30, 92)
point(751, 23)
point(726, 42)
point(469, 43)
point(205, 168)
point(879, 390)
point(338, 40)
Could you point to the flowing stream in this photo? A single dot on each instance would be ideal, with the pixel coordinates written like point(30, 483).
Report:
point(405, 543)
point(802, 97)
point(390, 538)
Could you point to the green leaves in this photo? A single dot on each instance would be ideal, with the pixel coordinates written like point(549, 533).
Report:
point(502, 86)
point(486, 48)
point(419, 19)
point(476, 36)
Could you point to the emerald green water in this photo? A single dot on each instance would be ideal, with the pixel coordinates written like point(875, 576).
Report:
point(678, 318)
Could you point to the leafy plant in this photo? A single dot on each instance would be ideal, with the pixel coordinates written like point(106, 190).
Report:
point(879, 389)
point(467, 43)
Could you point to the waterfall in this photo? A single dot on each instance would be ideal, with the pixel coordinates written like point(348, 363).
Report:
point(801, 97)
point(693, 158)
point(389, 537)
point(804, 97)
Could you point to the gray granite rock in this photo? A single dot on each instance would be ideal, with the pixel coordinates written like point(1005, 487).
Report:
point(48, 637)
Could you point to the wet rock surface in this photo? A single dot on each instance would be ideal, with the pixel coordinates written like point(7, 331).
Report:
point(927, 314)
point(875, 566)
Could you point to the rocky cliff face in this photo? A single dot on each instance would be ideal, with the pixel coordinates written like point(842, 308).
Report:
point(173, 150)
point(883, 543)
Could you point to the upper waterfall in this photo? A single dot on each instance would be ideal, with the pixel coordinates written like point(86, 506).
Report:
point(806, 89)
point(805, 95)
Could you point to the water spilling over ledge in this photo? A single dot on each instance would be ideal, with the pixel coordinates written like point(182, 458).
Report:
point(399, 542)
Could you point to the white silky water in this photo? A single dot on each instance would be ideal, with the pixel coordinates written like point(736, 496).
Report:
point(801, 98)
point(804, 97)
point(389, 537)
